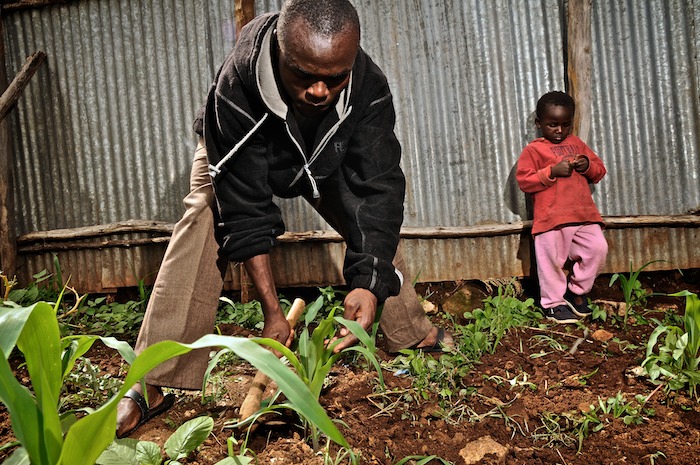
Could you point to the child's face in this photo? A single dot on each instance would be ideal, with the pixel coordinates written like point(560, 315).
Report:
point(555, 123)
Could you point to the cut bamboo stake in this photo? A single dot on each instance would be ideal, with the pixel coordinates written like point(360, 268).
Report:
point(251, 403)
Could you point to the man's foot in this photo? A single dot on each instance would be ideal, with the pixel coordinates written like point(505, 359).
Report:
point(435, 341)
point(133, 411)
point(561, 314)
point(579, 303)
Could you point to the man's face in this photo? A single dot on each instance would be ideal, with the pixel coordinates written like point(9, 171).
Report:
point(314, 69)
point(555, 123)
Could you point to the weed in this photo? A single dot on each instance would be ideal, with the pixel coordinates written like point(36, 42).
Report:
point(422, 460)
point(677, 360)
point(93, 389)
point(340, 457)
point(635, 295)
point(248, 315)
point(652, 457)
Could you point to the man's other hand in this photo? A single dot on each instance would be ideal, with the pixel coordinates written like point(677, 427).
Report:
point(361, 306)
point(278, 328)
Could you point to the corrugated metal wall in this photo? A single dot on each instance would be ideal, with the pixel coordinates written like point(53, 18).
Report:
point(103, 131)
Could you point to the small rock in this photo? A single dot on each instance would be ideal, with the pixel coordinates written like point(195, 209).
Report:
point(585, 407)
point(429, 307)
point(475, 451)
point(509, 365)
point(601, 335)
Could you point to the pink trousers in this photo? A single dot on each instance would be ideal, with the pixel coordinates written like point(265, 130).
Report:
point(584, 245)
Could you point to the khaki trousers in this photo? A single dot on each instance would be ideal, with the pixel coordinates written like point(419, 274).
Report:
point(186, 293)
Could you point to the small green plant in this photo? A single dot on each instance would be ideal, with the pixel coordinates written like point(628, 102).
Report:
point(245, 455)
point(634, 294)
point(422, 460)
point(178, 446)
point(314, 357)
point(675, 359)
point(488, 325)
point(247, 315)
point(86, 386)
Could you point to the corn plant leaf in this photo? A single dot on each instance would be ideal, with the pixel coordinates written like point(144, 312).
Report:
point(312, 310)
point(93, 433)
point(12, 322)
point(18, 457)
point(24, 413)
point(39, 341)
point(188, 437)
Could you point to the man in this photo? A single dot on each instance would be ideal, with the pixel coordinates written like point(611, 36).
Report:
point(297, 109)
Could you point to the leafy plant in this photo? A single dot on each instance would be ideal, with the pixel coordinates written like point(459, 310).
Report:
point(247, 315)
point(49, 438)
point(677, 357)
point(634, 294)
point(315, 358)
point(178, 446)
point(488, 325)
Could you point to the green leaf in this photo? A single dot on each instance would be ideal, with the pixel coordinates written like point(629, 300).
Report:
point(12, 322)
point(18, 457)
point(188, 437)
point(119, 452)
point(148, 453)
point(237, 460)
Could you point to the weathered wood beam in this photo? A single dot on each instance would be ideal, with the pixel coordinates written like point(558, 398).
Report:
point(8, 248)
point(15, 5)
point(244, 11)
point(75, 239)
point(9, 98)
point(579, 62)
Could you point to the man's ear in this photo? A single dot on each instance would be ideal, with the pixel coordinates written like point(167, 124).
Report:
point(537, 123)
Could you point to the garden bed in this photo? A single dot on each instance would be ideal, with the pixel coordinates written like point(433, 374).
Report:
point(526, 403)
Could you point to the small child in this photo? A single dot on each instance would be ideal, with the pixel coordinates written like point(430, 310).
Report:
point(556, 170)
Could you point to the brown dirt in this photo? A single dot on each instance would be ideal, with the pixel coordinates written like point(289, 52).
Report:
point(511, 415)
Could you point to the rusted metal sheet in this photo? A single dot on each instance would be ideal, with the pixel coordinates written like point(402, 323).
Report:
point(101, 137)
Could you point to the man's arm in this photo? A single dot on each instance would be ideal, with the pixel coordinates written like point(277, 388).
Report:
point(276, 326)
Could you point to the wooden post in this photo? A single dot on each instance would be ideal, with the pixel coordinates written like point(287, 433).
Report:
point(245, 11)
point(579, 62)
point(8, 250)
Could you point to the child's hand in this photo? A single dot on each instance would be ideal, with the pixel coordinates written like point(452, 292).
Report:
point(563, 169)
point(581, 163)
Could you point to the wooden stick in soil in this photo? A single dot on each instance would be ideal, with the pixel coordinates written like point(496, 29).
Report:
point(251, 403)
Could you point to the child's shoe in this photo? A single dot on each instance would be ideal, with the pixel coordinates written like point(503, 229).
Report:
point(581, 309)
point(561, 314)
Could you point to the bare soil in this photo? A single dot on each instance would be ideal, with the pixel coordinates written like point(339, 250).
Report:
point(511, 415)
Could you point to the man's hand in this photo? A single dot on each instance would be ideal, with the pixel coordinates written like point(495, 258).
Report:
point(563, 169)
point(361, 306)
point(278, 328)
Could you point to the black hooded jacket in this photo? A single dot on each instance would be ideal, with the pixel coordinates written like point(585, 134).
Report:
point(256, 150)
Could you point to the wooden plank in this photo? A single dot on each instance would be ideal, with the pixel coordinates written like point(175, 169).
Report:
point(579, 62)
point(12, 93)
point(16, 5)
point(8, 250)
point(76, 239)
point(244, 11)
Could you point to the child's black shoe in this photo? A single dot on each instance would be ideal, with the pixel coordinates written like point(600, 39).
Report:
point(561, 314)
point(581, 309)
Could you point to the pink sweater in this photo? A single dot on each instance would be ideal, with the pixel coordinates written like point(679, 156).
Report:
point(559, 201)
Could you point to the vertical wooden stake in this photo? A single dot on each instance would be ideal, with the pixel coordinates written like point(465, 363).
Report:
point(8, 234)
point(245, 11)
point(579, 44)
